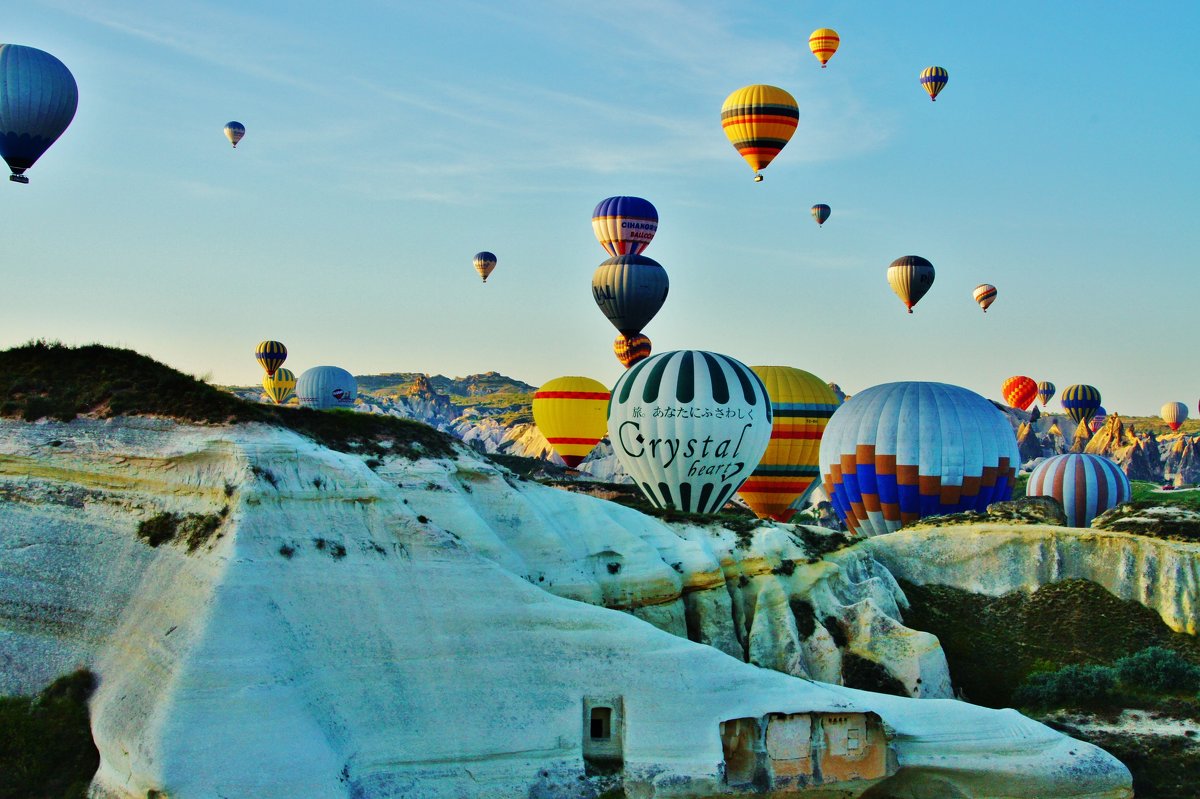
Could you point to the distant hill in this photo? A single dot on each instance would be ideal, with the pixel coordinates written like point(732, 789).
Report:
point(455, 387)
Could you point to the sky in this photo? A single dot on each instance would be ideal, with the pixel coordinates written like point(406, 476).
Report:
point(387, 143)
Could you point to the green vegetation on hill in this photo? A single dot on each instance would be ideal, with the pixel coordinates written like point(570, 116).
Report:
point(46, 748)
point(40, 380)
point(994, 643)
point(1150, 493)
point(467, 388)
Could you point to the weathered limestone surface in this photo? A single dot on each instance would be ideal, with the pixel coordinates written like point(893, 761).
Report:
point(333, 640)
point(997, 559)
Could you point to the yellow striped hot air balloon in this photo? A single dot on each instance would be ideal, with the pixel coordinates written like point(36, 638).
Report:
point(933, 80)
point(759, 121)
point(270, 355)
point(572, 413)
point(801, 404)
point(824, 43)
point(281, 386)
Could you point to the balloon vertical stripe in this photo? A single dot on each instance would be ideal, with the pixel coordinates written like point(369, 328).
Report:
point(1086, 485)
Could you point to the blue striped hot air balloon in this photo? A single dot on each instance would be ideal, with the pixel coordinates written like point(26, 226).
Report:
point(1080, 402)
point(900, 451)
point(821, 212)
point(689, 427)
point(270, 356)
point(1045, 392)
point(624, 225)
point(933, 80)
point(1086, 485)
point(38, 98)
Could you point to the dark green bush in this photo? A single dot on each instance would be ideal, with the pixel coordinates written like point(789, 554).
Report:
point(46, 748)
point(1076, 685)
point(1157, 668)
point(158, 529)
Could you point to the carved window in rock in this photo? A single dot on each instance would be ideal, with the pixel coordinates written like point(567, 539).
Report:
point(601, 723)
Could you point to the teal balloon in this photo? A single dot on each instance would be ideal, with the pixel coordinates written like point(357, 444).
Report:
point(38, 98)
point(323, 387)
point(630, 290)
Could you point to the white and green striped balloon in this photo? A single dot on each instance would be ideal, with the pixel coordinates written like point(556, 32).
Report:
point(689, 427)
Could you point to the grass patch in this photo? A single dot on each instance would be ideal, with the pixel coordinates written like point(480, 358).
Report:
point(46, 748)
point(1145, 492)
point(993, 644)
point(40, 380)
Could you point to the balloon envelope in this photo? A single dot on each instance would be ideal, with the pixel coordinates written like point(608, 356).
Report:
point(933, 80)
point(1098, 419)
point(1019, 391)
point(234, 131)
point(824, 43)
point(1045, 392)
point(801, 404)
point(571, 412)
point(759, 121)
point(985, 295)
point(821, 212)
point(270, 355)
point(897, 452)
point(281, 386)
point(1174, 414)
point(910, 276)
point(631, 349)
point(38, 98)
point(324, 387)
point(1080, 402)
point(1086, 485)
point(630, 289)
point(689, 427)
point(484, 263)
point(624, 225)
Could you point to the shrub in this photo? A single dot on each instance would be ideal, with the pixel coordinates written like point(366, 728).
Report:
point(1159, 669)
point(46, 747)
point(194, 529)
point(158, 529)
point(1076, 685)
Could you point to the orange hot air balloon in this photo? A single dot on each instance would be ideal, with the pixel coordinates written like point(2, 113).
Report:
point(824, 43)
point(572, 413)
point(631, 349)
point(1019, 391)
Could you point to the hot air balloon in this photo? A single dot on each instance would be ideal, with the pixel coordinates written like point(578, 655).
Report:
point(801, 404)
point(1174, 414)
point(910, 276)
point(1086, 485)
point(631, 349)
point(1098, 420)
point(824, 43)
point(933, 80)
point(630, 289)
point(234, 131)
point(759, 121)
point(324, 387)
point(485, 262)
point(571, 412)
point(1080, 402)
point(820, 212)
point(1045, 392)
point(281, 386)
point(38, 98)
point(900, 451)
point(689, 427)
point(270, 355)
point(1019, 391)
point(624, 225)
point(985, 295)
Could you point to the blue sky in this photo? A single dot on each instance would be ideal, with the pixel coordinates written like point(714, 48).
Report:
point(388, 142)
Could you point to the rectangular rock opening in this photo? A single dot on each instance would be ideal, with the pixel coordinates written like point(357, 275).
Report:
point(601, 723)
point(603, 735)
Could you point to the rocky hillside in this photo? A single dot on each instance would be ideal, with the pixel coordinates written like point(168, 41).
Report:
point(272, 617)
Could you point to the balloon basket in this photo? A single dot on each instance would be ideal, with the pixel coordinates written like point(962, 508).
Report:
point(758, 178)
point(18, 178)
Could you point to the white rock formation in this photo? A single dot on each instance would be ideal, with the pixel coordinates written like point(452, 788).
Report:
point(994, 559)
point(333, 639)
